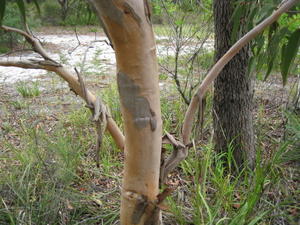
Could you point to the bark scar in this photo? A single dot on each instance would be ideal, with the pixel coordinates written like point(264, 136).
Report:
point(136, 104)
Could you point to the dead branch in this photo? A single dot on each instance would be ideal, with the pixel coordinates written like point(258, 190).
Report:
point(47, 63)
point(180, 151)
point(217, 68)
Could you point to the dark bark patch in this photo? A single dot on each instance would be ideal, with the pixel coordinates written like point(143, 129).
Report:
point(139, 210)
point(153, 218)
point(137, 105)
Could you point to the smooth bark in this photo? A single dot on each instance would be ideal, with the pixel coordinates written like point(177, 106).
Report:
point(127, 23)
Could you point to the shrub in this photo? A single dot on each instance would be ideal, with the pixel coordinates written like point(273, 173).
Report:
point(51, 13)
point(12, 18)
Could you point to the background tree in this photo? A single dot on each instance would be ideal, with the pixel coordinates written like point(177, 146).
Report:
point(234, 87)
point(233, 90)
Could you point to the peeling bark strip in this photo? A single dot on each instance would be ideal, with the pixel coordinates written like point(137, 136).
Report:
point(137, 105)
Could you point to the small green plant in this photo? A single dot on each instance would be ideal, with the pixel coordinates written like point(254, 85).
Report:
point(18, 104)
point(28, 91)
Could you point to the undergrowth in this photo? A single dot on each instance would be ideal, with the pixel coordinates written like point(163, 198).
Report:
point(48, 175)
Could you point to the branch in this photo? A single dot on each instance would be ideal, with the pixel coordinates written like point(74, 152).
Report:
point(35, 43)
point(29, 64)
point(51, 65)
point(180, 151)
point(217, 68)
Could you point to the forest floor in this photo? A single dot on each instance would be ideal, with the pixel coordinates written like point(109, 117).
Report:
point(45, 132)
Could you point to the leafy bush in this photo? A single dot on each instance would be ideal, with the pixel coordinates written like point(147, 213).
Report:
point(12, 18)
point(78, 12)
point(51, 13)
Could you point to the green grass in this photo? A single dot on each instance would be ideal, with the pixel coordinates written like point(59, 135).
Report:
point(48, 175)
point(28, 90)
point(49, 178)
point(215, 196)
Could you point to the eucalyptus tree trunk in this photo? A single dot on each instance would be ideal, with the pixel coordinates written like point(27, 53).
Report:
point(233, 92)
point(128, 26)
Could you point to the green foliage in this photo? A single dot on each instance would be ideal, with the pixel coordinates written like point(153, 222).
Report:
point(215, 196)
point(206, 59)
point(161, 10)
point(187, 27)
point(51, 13)
point(293, 136)
point(51, 177)
point(291, 20)
point(2, 10)
point(282, 36)
point(12, 18)
point(81, 14)
point(22, 9)
point(19, 104)
point(288, 53)
point(78, 12)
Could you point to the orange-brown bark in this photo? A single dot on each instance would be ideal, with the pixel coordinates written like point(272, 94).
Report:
point(128, 25)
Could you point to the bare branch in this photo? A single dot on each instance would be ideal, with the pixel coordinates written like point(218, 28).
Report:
point(36, 45)
point(30, 64)
point(51, 65)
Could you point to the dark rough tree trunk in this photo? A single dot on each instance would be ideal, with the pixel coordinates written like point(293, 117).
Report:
point(233, 92)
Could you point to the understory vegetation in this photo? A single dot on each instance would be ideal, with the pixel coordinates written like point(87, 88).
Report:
point(49, 175)
point(48, 171)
